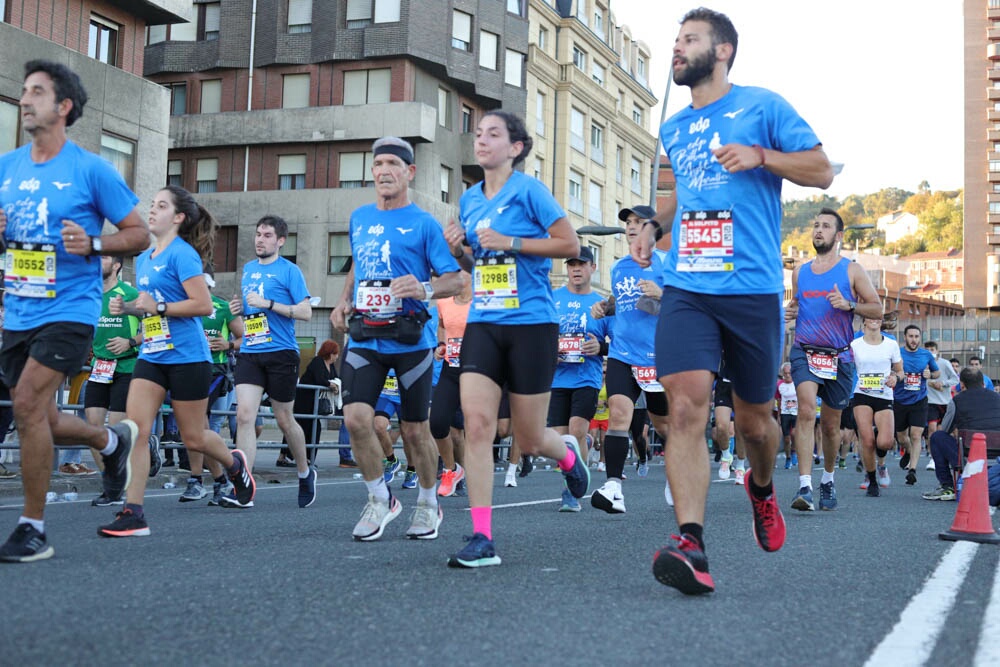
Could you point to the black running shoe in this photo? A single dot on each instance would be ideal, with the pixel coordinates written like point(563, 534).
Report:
point(526, 466)
point(307, 489)
point(904, 460)
point(126, 524)
point(911, 477)
point(244, 486)
point(155, 460)
point(25, 545)
point(117, 465)
point(683, 566)
point(104, 500)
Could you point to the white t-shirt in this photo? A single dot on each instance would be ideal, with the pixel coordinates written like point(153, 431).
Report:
point(873, 364)
point(789, 401)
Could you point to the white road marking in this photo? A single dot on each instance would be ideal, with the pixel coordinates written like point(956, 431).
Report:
point(988, 653)
point(912, 639)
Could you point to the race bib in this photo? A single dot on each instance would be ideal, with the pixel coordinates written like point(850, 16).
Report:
point(494, 283)
point(571, 349)
point(103, 371)
point(391, 386)
point(871, 382)
point(822, 364)
point(374, 298)
point(156, 334)
point(30, 270)
point(645, 377)
point(453, 351)
point(912, 381)
point(256, 329)
point(706, 241)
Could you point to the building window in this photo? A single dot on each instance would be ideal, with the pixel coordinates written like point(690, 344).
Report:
point(294, 91)
point(291, 172)
point(637, 114)
point(539, 168)
point(103, 40)
point(224, 256)
point(10, 125)
point(514, 7)
point(576, 192)
point(595, 277)
point(946, 335)
point(300, 16)
point(290, 249)
point(359, 13)
point(444, 108)
point(209, 20)
point(208, 175)
point(579, 58)
point(355, 170)
point(619, 156)
point(461, 30)
point(636, 176)
point(367, 86)
point(513, 74)
point(543, 38)
point(640, 70)
point(386, 11)
point(595, 208)
point(445, 184)
point(175, 173)
point(178, 98)
point(597, 73)
point(339, 247)
point(120, 153)
point(598, 24)
point(994, 207)
point(597, 143)
point(467, 119)
point(540, 114)
point(620, 102)
point(154, 33)
point(576, 137)
point(581, 11)
point(994, 165)
point(487, 50)
point(211, 96)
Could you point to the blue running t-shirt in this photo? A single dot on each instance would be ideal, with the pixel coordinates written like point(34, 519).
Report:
point(633, 331)
point(283, 282)
point(575, 369)
point(913, 388)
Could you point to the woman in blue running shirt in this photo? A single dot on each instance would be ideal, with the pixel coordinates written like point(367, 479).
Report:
point(174, 355)
point(512, 227)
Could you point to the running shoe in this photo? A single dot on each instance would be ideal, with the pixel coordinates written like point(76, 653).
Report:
point(739, 474)
point(126, 524)
point(726, 466)
point(940, 493)
point(424, 522)
point(609, 498)
point(873, 491)
point(795, 459)
point(859, 467)
point(930, 465)
point(827, 496)
point(155, 458)
point(718, 455)
point(410, 479)
point(904, 460)
point(864, 483)
point(569, 503)
point(578, 477)
point(842, 463)
point(219, 491)
point(511, 479)
point(804, 500)
point(460, 490)
point(195, 491)
point(526, 466)
point(911, 477)
point(449, 480)
point(307, 488)
point(768, 523)
point(788, 463)
point(642, 469)
point(375, 517)
point(117, 465)
point(601, 467)
point(389, 469)
point(683, 566)
point(104, 500)
point(479, 551)
point(883, 477)
point(25, 545)
point(816, 459)
point(244, 486)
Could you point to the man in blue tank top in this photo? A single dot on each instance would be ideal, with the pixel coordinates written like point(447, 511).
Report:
point(909, 398)
point(826, 294)
point(730, 150)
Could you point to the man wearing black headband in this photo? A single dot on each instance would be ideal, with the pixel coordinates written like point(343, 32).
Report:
point(395, 247)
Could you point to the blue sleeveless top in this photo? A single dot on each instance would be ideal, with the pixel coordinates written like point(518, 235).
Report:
point(818, 322)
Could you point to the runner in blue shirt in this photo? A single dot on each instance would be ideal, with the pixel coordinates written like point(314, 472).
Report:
point(174, 354)
point(513, 227)
point(54, 199)
point(909, 399)
point(396, 247)
point(730, 150)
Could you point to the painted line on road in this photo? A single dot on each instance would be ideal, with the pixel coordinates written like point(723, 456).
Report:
point(912, 639)
point(988, 652)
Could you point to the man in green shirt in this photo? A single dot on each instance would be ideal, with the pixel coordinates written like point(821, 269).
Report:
point(115, 349)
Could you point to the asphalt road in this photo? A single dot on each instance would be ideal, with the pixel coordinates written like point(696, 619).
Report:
point(869, 583)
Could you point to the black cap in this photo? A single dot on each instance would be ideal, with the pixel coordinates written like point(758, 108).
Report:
point(586, 255)
point(644, 212)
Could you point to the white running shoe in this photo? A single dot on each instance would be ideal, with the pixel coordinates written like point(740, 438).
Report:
point(725, 466)
point(376, 515)
point(883, 477)
point(609, 498)
point(510, 479)
point(930, 465)
point(740, 473)
point(601, 467)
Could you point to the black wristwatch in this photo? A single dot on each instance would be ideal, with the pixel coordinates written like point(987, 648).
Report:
point(161, 308)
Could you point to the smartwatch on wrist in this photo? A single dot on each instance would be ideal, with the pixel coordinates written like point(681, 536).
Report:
point(428, 291)
point(161, 308)
point(95, 245)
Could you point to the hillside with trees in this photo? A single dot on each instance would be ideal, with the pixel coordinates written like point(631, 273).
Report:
point(939, 214)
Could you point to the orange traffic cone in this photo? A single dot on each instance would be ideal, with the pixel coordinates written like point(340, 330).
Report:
point(972, 519)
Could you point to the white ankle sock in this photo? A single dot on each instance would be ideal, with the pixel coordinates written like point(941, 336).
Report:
point(378, 489)
point(37, 524)
point(427, 496)
point(112, 443)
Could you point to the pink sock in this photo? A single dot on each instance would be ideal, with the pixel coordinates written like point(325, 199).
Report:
point(568, 460)
point(482, 521)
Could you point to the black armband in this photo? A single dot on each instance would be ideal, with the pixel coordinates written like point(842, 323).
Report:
point(659, 229)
